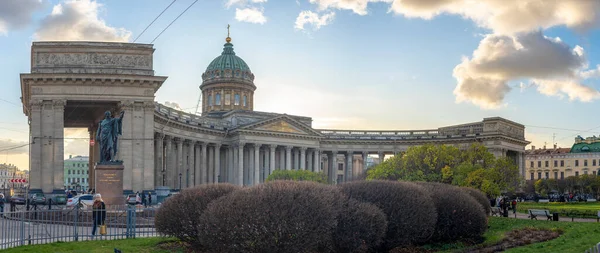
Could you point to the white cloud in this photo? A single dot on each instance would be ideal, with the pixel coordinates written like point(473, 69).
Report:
point(507, 16)
point(357, 6)
point(483, 79)
point(230, 3)
point(173, 105)
point(15, 14)
point(250, 15)
point(78, 20)
point(13, 147)
point(311, 18)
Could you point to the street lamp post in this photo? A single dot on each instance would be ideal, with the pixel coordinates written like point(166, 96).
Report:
point(180, 181)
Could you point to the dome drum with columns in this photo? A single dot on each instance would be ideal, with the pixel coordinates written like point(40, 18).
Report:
point(227, 83)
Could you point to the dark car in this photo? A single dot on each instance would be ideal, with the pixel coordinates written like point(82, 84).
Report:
point(60, 200)
point(38, 198)
point(17, 200)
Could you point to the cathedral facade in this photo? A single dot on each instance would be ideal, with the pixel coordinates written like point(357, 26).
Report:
point(71, 84)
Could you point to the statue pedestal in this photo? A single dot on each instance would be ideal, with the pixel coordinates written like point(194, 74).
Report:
point(109, 183)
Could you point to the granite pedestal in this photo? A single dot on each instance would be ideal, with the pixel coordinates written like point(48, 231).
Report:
point(109, 183)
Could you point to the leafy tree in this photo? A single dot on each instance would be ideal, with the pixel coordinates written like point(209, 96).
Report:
point(297, 175)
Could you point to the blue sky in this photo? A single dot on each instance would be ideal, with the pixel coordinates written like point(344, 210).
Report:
point(390, 65)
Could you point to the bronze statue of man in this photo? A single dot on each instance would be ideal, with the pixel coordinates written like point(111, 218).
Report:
point(107, 136)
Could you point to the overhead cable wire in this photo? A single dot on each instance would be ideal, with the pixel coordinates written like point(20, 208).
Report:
point(153, 21)
point(173, 21)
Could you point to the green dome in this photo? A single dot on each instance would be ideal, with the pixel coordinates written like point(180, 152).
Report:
point(228, 60)
point(228, 66)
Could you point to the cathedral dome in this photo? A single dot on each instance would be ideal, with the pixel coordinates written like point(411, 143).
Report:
point(227, 83)
point(228, 66)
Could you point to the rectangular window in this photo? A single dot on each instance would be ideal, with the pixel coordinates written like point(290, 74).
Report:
point(594, 172)
point(546, 163)
point(539, 164)
point(576, 173)
point(531, 164)
point(210, 102)
point(539, 175)
point(245, 101)
point(218, 99)
point(585, 172)
point(227, 99)
point(562, 175)
point(585, 163)
point(562, 163)
point(594, 162)
point(236, 99)
point(547, 175)
point(576, 163)
point(555, 175)
point(555, 163)
point(340, 166)
point(531, 178)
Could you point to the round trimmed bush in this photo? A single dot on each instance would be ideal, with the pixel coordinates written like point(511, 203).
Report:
point(361, 227)
point(410, 212)
point(480, 198)
point(279, 216)
point(179, 215)
point(460, 216)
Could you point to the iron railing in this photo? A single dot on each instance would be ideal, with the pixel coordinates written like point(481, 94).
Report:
point(20, 227)
point(595, 249)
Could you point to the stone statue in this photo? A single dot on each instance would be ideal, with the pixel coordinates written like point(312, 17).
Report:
point(107, 135)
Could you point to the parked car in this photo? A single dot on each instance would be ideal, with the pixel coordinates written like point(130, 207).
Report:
point(17, 199)
point(86, 200)
point(38, 198)
point(134, 199)
point(60, 200)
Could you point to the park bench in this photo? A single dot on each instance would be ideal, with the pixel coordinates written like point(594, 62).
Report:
point(534, 213)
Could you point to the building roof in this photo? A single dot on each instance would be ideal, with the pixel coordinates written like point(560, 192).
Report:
point(78, 159)
point(544, 151)
point(228, 66)
point(584, 147)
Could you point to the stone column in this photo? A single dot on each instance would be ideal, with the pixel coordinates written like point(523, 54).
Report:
point(272, 149)
point(158, 153)
point(91, 175)
point(189, 168)
point(198, 176)
point(256, 164)
point(59, 145)
point(309, 160)
point(381, 156)
point(37, 141)
point(302, 158)
point(206, 175)
point(210, 165)
point(282, 159)
point(240, 167)
point(365, 156)
point(148, 175)
point(317, 161)
point(230, 165)
point(217, 172)
point(332, 167)
point(179, 170)
point(348, 172)
point(170, 166)
point(288, 157)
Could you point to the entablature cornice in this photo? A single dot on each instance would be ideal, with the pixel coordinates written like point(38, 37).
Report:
point(161, 122)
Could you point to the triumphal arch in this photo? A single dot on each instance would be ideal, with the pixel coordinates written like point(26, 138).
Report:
point(72, 84)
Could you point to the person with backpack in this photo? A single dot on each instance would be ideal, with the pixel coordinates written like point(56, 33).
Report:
point(514, 206)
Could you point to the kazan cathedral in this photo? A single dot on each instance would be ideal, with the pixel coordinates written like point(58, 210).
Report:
point(230, 142)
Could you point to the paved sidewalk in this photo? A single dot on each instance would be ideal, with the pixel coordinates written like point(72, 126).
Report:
point(561, 218)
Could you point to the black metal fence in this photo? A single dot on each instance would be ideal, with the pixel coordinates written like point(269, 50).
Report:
point(42, 225)
point(595, 249)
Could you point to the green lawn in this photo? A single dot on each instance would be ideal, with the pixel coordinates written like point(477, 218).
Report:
point(577, 237)
point(576, 209)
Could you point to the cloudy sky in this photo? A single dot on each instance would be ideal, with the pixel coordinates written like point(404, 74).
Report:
point(349, 64)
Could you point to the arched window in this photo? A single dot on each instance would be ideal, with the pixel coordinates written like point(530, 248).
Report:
point(237, 99)
point(210, 102)
point(218, 99)
point(245, 101)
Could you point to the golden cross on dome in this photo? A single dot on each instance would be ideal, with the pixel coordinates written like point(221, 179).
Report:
point(228, 39)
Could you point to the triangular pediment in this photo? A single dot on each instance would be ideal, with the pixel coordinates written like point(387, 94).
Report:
point(282, 124)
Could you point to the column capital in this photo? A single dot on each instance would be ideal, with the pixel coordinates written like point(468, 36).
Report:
point(178, 140)
point(128, 104)
point(302, 149)
point(157, 135)
point(288, 148)
point(59, 102)
point(241, 144)
point(168, 137)
point(365, 153)
point(257, 145)
point(272, 147)
point(350, 152)
point(203, 144)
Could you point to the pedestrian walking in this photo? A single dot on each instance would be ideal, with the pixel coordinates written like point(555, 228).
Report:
point(2, 200)
point(149, 198)
point(514, 206)
point(144, 200)
point(98, 215)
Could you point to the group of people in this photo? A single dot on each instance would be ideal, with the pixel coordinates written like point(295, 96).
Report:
point(145, 201)
point(504, 204)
